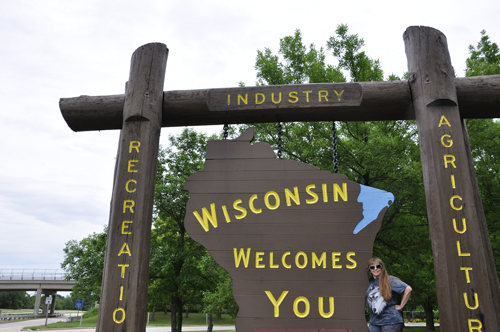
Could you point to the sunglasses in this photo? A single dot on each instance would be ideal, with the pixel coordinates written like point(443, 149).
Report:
point(373, 267)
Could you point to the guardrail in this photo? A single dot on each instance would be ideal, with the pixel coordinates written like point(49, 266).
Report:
point(21, 317)
point(32, 274)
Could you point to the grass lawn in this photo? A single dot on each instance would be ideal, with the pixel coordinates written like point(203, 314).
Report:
point(160, 320)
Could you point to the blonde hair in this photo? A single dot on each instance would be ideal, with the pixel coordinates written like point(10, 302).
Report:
point(384, 284)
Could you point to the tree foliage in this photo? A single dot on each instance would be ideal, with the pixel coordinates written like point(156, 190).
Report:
point(485, 141)
point(16, 300)
point(84, 262)
point(176, 265)
point(483, 59)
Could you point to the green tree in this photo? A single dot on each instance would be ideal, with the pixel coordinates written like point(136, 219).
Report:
point(485, 139)
point(483, 59)
point(218, 298)
point(84, 262)
point(174, 265)
point(15, 300)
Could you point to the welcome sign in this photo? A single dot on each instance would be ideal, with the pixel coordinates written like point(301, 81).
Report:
point(294, 239)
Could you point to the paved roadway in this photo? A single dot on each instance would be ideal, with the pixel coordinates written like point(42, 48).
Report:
point(18, 326)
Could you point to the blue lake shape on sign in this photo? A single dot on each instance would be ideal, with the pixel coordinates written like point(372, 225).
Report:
point(373, 200)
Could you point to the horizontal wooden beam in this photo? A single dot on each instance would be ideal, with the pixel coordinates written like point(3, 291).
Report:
point(478, 97)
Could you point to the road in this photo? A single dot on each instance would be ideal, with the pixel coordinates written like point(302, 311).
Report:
point(18, 326)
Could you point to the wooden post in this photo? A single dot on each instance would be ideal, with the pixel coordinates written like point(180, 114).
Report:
point(125, 279)
point(467, 284)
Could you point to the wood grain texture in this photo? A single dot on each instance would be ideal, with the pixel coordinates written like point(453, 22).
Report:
point(290, 96)
point(478, 97)
point(439, 121)
point(304, 245)
point(123, 304)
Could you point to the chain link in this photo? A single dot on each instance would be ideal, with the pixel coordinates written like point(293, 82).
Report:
point(226, 128)
point(279, 139)
point(335, 155)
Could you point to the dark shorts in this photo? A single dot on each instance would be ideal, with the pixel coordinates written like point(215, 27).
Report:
point(387, 328)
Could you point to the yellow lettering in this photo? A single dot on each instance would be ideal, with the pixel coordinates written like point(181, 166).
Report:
point(125, 226)
point(283, 260)
point(322, 94)
point(241, 255)
point(338, 94)
point(294, 196)
point(307, 94)
point(239, 208)
point(123, 266)
point(464, 226)
point(121, 293)
point(134, 145)
point(257, 95)
point(293, 94)
point(467, 301)
point(449, 159)
point(314, 196)
point(250, 204)
point(453, 181)
point(444, 121)
point(245, 100)
point(321, 308)
point(325, 193)
point(128, 204)
point(318, 261)
point(342, 192)
point(276, 303)
point(478, 327)
point(459, 249)
point(206, 217)
point(123, 315)
point(296, 307)
point(272, 98)
point(228, 99)
point(226, 215)
point(297, 256)
point(276, 197)
point(131, 165)
point(354, 263)
point(453, 205)
point(128, 189)
point(258, 259)
point(335, 259)
point(448, 143)
point(125, 249)
point(271, 261)
point(467, 276)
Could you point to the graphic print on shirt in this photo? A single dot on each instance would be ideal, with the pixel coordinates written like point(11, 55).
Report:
point(375, 300)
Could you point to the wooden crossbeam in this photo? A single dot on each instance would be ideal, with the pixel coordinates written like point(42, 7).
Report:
point(478, 97)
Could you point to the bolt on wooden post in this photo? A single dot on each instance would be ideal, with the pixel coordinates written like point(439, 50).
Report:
point(466, 278)
point(125, 280)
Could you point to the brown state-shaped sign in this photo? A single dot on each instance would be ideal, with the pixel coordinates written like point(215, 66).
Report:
point(284, 231)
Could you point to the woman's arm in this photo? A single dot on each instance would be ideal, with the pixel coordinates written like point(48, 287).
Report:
point(406, 297)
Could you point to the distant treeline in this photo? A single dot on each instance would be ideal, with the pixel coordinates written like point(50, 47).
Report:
point(22, 300)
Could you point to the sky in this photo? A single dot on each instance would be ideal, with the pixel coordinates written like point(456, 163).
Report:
point(55, 184)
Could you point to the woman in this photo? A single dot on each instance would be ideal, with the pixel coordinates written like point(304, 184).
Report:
point(385, 314)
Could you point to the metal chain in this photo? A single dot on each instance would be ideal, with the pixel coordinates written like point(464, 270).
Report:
point(226, 128)
point(335, 155)
point(279, 139)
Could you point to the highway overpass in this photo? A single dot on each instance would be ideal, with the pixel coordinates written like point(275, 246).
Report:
point(44, 282)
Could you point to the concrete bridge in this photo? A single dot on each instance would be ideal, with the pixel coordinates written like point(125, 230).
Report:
point(46, 282)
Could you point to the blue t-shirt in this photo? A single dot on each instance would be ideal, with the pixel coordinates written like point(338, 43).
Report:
point(382, 312)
